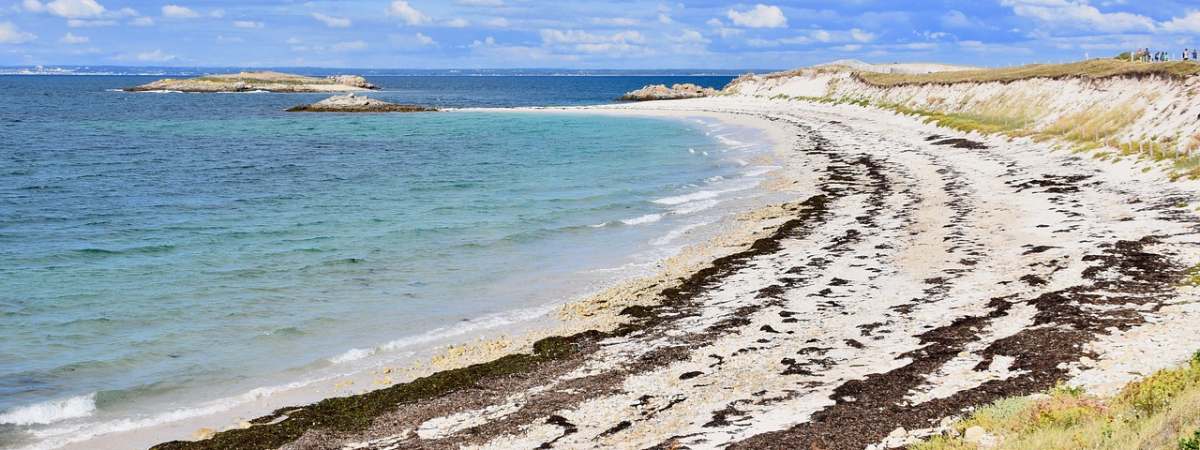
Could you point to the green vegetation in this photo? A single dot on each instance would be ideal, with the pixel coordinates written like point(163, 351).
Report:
point(1090, 69)
point(1160, 411)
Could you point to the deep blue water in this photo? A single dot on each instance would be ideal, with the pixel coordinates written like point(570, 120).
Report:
point(157, 248)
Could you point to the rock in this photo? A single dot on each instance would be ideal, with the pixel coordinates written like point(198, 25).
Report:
point(354, 103)
point(259, 81)
point(980, 437)
point(352, 80)
point(662, 92)
point(203, 433)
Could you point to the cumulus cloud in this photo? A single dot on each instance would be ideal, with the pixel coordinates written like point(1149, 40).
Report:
point(331, 21)
point(424, 40)
point(83, 23)
point(861, 36)
point(179, 12)
point(497, 22)
point(457, 22)
point(33, 6)
point(760, 16)
point(351, 46)
point(71, 38)
point(486, 42)
point(71, 9)
point(615, 21)
point(1189, 23)
point(10, 34)
point(410, 15)
point(142, 22)
point(154, 56)
point(1079, 14)
point(247, 24)
point(585, 42)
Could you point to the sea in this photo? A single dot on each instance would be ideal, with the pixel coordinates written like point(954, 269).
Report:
point(170, 256)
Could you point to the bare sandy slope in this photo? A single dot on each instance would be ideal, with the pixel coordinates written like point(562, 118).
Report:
point(917, 273)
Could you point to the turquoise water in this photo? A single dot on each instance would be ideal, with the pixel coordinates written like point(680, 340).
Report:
point(149, 263)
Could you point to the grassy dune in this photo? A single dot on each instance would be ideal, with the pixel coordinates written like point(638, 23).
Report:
point(1161, 411)
point(1092, 69)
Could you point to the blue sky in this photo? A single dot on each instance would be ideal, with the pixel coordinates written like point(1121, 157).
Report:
point(582, 34)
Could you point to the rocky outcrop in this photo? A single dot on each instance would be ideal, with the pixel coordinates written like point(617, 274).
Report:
point(259, 81)
point(662, 92)
point(354, 103)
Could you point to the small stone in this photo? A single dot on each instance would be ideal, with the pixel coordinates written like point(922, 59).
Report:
point(204, 433)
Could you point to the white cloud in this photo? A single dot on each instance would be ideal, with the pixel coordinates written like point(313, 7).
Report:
point(615, 21)
point(72, 39)
point(861, 36)
point(247, 24)
point(81, 23)
point(497, 22)
point(331, 21)
point(689, 37)
point(179, 12)
point(1079, 14)
point(663, 18)
point(142, 22)
point(585, 42)
point(33, 6)
point(10, 34)
point(1189, 23)
point(74, 9)
point(217, 13)
point(407, 13)
point(956, 19)
point(491, 3)
point(350, 46)
point(457, 22)
point(154, 56)
point(760, 16)
point(486, 42)
point(424, 40)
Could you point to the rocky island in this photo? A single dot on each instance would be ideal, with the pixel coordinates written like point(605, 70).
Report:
point(662, 92)
point(259, 81)
point(354, 103)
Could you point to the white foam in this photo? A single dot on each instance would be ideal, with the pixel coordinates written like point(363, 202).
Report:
point(672, 235)
point(51, 411)
point(694, 207)
point(700, 195)
point(758, 171)
point(353, 354)
point(648, 218)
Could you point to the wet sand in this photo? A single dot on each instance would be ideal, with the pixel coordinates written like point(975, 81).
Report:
point(916, 272)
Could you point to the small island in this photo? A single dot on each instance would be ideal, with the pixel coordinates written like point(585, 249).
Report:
point(259, 81)
point(354, 103)
point(662, 92)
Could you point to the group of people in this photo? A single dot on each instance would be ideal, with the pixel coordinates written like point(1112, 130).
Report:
point(1145, 55)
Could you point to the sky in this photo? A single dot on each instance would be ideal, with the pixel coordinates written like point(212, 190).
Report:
point(611, 34)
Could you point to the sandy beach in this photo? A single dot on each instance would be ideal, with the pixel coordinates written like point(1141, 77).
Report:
point(915, 273)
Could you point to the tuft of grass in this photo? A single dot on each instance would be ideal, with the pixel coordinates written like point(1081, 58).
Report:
point(1160, 411)
point(1090, 69)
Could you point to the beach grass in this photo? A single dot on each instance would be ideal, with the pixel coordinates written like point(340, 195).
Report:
point(1090, 69)
point(1159, 411)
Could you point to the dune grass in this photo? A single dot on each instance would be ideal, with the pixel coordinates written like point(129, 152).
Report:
point(1090, 69)
point(1161, 411)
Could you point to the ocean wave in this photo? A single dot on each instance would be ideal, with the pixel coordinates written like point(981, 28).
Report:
point(759, 171)
point(648, 218)
point(694, 207)
point(677, 233)
point(442, 333)
point(51, 411)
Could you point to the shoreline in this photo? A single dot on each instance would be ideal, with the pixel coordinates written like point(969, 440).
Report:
point(452, 351)
point(783, 332)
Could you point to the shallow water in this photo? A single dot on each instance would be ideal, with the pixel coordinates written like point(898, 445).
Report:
point(162, 249)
